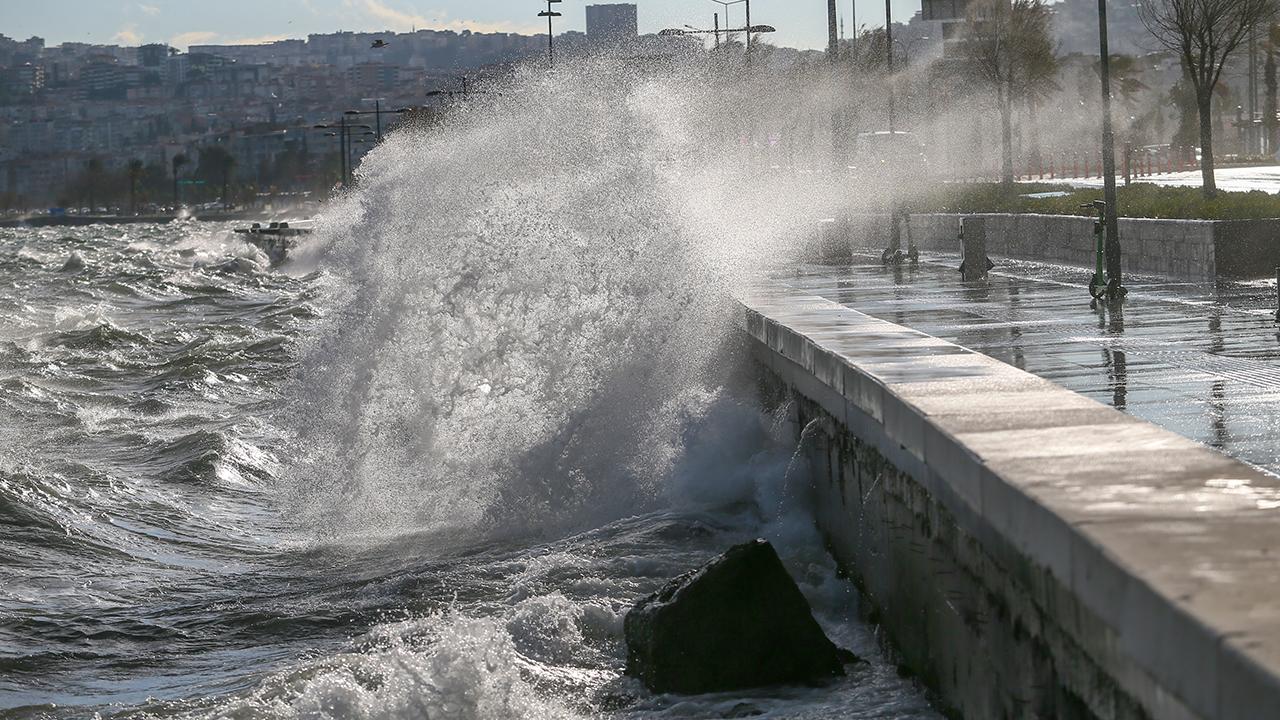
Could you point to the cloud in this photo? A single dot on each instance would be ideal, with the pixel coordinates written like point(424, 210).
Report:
point(402, 21)
point(196, 37)
point(127, 36)
point(151, 10)
point(395, 19)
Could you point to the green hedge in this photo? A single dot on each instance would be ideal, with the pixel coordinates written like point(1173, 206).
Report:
point(1138, 200)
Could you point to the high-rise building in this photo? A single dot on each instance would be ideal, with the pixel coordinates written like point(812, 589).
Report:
point(612, 24)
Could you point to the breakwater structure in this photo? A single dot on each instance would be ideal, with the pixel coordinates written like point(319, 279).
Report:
point(1029, 552)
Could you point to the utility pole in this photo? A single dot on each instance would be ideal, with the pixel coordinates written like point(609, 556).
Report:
point(747, 52)
point(1114, 287)
point(717, 26)
point(833, 40)
point(549, 14)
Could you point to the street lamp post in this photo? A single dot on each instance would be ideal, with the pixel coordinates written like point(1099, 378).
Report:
point(344, 133)
point(467, 90)
point(549, 14)
point(757, 29)
point(1114, 287)
point(377, 112)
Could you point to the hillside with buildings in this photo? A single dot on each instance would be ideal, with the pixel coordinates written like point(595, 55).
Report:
point(72, 116)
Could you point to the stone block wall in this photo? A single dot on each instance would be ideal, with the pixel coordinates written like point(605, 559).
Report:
point(1185, 249)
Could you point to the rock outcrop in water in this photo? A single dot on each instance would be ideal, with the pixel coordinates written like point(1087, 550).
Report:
point(74, 264)
point(737, 622)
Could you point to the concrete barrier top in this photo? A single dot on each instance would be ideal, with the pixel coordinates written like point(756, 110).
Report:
point(1174, 546)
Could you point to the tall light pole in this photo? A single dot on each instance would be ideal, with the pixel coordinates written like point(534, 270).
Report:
point(888, 60)
point(344, 133)
point(549, 14)
point(1114, 287)
point(377, 112)
point(757, 29)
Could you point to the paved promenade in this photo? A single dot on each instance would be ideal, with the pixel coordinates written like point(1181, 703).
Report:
point(1202, 361)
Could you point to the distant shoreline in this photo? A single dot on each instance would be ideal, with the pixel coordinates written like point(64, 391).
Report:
point(83, 220)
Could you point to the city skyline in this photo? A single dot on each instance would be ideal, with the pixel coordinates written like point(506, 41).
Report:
point(183, 24)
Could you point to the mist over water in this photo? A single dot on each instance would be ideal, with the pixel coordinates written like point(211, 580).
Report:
point(425, 470)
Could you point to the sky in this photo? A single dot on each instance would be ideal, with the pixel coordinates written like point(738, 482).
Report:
point(800, 23)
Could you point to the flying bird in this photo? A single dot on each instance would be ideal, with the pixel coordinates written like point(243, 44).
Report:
point(379, 43)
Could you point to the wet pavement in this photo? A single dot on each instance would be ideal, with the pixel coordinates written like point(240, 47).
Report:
point(1200, 360)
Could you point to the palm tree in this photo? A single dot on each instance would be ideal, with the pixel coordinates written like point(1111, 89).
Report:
point(227, 166)
point(1009, 48)
point(93, 175)
point(1126, 77)
point(217, 163)
point(136, 168)
point(178, 161)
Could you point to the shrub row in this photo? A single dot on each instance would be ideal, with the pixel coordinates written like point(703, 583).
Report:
point(1137, 200)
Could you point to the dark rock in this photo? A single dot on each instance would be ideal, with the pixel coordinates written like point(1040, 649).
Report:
point(738, 622)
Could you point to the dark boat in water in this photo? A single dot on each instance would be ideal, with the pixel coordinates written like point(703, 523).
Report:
point(276, 239)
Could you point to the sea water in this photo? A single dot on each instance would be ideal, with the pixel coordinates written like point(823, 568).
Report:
point(423, 469)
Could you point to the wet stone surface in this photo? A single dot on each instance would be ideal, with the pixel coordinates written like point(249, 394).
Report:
point(1200, 360)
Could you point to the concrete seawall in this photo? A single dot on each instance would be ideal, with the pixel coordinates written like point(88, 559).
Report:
point(1028, 551)
point(1200, 250)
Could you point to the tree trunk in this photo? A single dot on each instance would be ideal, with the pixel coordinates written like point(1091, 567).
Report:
point(1269, 107)
point(1006, 136)
point(1033, 130)
point(1204, 103)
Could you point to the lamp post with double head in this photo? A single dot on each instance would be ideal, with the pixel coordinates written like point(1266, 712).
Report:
point(550, 14)
point(377, 113)
point(344, 133)
point(757, 29)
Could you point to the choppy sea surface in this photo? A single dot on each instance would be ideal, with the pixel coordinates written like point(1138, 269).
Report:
point(158, 558)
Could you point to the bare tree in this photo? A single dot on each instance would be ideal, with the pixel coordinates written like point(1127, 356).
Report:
point(1008, 46)
point(1203, 34)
